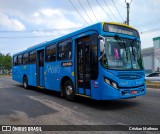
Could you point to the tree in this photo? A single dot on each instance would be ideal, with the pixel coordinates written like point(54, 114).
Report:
point(1, 56)
point(5, 61)
point(1, 60)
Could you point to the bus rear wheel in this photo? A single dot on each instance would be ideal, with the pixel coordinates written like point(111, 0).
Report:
point(68, 90)
point(25, 82)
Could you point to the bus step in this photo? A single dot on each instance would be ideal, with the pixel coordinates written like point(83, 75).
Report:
point(40, 87)
point(83, 95)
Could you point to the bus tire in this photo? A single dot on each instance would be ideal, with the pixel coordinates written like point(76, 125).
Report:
point(25, 82)
point(68, 90)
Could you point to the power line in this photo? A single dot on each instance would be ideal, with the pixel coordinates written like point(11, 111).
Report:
point(19, 37)
point(85, 11)
point(120, 5)
point(141, 24)
point(110, 10)
point(34, 30)
point(131, 2)
point(117, 10)
point(152, 24)
point(78, 12)
point(146, 23)
point(152, 30)
point(104, 10)
point(92, 10)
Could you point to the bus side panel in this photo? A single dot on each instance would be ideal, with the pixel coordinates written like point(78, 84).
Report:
point(31, 71)
point(67, 71)
point(41, 76)
point(52, 80)
point(25, 71)
point(54, 74)
point(17, 73)
point(20, 74)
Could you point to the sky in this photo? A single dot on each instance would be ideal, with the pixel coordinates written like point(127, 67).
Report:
point(24, 23)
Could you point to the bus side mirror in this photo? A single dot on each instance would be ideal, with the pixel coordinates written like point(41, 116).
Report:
point(101, 45)
point(102, 42)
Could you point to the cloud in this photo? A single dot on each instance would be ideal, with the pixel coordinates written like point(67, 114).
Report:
point(59, 13)
point(52, 19)
point(11, 23)
point(147, 39)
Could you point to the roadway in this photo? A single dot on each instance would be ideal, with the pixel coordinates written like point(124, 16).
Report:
point(36, 106)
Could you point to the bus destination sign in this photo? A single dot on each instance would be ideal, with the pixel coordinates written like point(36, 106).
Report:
point(120, 29)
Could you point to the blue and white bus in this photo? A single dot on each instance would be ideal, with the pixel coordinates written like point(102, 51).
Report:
point(102, 61)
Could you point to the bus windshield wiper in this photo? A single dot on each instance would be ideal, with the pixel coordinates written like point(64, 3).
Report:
point(122, 44)
point(132, 43)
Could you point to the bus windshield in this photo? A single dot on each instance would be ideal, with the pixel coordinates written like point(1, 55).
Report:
point(122, 54)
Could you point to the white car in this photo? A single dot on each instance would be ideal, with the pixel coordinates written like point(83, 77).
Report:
point(154, 77)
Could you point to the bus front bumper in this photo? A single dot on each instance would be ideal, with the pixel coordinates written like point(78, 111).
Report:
point(109, 93)
point(132, 92)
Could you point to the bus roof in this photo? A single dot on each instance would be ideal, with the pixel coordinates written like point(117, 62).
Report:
point(120, 24)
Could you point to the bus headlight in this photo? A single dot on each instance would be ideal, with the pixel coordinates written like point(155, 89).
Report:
point(107, 81)
point(114, 85)
point(111, 83)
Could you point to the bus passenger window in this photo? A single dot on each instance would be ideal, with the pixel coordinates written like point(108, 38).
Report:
point(48, 54)
point(25, 59)
point(15, 63)
point(65, 50)
point(51, 53)
point(32, 57)
point(19, 59)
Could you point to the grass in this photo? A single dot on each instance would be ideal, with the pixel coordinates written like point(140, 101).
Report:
point(6, 75)
point(153, 84)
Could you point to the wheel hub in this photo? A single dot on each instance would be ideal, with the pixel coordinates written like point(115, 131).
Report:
point(69, 90)
point(25, 84)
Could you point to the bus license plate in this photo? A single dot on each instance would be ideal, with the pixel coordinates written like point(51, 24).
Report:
point(133, 92)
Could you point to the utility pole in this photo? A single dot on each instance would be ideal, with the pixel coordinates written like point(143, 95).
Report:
point(127, 13)
point(128, 6)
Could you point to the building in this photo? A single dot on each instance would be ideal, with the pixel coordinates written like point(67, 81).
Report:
point(151, 57)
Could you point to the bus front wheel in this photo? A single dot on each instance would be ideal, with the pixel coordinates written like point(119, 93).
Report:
point(68, 90)
point(25, 82)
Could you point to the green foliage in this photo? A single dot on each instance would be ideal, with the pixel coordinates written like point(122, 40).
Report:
point(5, 61)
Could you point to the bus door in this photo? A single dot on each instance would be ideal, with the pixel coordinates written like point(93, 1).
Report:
point(87, 63)
point(40, 68)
